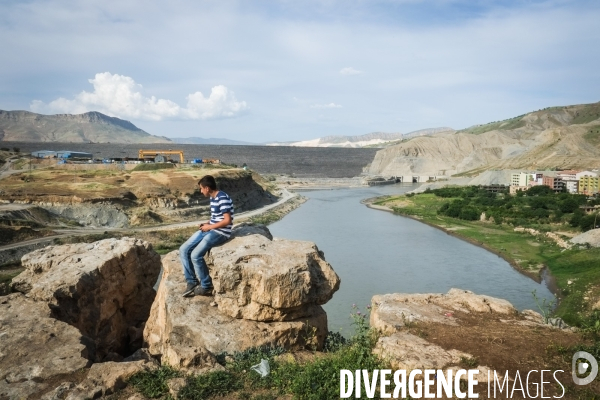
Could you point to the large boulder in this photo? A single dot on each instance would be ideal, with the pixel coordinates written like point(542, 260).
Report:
point(393, 315)
point(270, 280)
point(104, 289)
point(189, 332)
point(36, 348)
point(391, 312)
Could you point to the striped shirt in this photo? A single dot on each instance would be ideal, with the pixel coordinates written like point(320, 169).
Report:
point(219, 205)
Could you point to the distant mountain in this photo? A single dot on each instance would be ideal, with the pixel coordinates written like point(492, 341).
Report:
point(198, 140)
point(370, 139)
point(553, 138)
point(95, 127)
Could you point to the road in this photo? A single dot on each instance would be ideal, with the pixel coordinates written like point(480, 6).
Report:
point(61, 233)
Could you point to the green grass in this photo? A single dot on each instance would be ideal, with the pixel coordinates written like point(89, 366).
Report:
point(266, 218)
point(153, 384)
point(507, 124)
point(587, 113)
point(153, 166)
point(212, 384)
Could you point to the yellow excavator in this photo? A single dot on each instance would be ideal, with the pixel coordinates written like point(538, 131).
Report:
point(160, 155)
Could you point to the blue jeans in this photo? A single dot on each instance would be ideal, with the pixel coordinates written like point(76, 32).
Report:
point(192, 254)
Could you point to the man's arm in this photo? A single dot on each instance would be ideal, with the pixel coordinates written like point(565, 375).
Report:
point(226, 221)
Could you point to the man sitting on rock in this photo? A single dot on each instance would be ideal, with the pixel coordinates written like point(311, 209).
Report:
point(216, 232)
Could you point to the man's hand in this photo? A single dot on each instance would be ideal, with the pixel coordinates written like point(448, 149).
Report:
point(204, 227)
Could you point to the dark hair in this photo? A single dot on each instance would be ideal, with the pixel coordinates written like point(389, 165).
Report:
point(208, 181)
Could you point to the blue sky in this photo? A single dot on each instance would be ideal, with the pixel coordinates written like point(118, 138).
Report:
point(283, 70)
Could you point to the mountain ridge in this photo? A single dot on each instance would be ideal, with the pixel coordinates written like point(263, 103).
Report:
point(555, 137)
point(93, 126)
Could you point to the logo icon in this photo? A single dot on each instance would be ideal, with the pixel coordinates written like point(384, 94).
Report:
point(580, 368)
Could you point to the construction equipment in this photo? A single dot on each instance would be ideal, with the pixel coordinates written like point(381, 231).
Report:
point(159, 155)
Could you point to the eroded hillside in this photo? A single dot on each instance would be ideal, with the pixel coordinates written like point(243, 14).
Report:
point(557, 137)
point(113, 197)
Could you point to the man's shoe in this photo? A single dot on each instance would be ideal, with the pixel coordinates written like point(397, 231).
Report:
point(189, 290)
point(200, 291)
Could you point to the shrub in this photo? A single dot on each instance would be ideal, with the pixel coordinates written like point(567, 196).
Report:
point(469, 214)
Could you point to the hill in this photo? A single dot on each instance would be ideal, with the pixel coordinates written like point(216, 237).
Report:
point(553, 138)
point(94, 127)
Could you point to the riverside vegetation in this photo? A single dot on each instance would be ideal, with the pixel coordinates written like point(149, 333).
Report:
point(489, 219)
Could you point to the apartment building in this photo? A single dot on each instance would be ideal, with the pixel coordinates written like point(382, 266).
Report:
point(554, 182)
point(520, 179)
point(588, 185)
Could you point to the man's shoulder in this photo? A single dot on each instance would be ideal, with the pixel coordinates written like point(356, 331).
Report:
point(222, 196)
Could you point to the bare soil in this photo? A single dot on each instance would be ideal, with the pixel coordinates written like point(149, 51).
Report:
point(510, 344)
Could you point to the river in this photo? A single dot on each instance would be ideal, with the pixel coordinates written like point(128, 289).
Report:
point(376, 252)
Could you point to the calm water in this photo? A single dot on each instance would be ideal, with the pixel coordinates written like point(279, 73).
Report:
point(376, 252)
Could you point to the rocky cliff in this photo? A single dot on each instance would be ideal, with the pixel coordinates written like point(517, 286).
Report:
point(558, 137)
point(95, 127)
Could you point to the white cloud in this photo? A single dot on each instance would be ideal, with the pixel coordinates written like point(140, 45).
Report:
point(350, 71)
point(330, 105)
point(119, 95)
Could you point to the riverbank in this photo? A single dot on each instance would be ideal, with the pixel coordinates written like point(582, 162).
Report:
point(304, 183)
point(571, 274)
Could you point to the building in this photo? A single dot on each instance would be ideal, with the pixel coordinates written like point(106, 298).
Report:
point(514, 189)
point(588, 185)
point(520, 179)
point(570, 179)
point(581, 174)
point(554, 182)
point(44, 154)
point(569, 175)
point(494, 188)
point(74, 155)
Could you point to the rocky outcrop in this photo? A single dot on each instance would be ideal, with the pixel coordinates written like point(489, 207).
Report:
point(392, 314)
point(104, 289)
point(394, 311)
point(35, 348)
point(80, 304)
point(268, 293)
point(106, 378)
point(263, 280)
